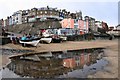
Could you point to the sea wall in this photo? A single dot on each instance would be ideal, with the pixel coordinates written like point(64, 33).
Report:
point(4, 41)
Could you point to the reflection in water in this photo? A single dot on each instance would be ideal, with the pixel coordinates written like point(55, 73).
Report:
point(67, 64)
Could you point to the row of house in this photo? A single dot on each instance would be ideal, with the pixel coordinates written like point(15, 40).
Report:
point(84, 25)
point(114, 30)
point(38, 14)
point(67, 19)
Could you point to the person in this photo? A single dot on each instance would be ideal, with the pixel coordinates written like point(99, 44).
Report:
point(110, 38)
point(24, 37)
point(13, 39)
point(29, 36)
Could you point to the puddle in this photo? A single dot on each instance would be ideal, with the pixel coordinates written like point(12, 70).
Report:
point(63, 64)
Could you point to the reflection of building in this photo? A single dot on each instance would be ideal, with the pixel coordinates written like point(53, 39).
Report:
point(69, 63)
point(80, 61)
point(52, 65)
point(43, 69)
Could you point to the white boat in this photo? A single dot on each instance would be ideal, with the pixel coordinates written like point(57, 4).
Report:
point(47, 40)
point(33, 42)
point(63, 38)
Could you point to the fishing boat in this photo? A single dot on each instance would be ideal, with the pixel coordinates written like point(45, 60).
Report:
point(30, 42)
point(56, 39)
point(64, 38)
point(46, 40)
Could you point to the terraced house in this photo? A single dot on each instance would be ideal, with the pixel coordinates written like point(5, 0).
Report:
point(36, 14)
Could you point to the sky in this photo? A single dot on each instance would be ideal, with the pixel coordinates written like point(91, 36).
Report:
point(103, 10)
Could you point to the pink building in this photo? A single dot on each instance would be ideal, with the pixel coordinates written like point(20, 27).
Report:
point(83, 26)
point(67, 23)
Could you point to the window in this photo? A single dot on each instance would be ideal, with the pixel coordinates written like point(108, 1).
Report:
point(45, 12)
point(84, 24)
point(17, 18)
point(76, 58)
point(37, 12)
point(41, 12)
point(54, 12)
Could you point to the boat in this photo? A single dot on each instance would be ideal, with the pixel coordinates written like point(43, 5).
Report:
point(64, 38)
point(30, 42)
point(46, 40)
point(56, 40)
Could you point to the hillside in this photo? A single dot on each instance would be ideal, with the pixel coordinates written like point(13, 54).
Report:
point(33, 28)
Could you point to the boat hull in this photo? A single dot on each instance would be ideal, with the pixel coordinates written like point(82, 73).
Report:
point(56, 40)
point(47, 40)
point(33, 43)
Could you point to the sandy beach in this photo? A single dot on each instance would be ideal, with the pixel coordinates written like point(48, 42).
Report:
point(110, 45)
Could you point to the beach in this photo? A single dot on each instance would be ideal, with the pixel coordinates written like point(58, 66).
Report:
point(111, 53)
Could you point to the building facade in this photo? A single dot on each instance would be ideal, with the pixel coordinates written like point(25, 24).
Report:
point(25, 15)
point(79, 15)
point(1, 22)
point(98, 24)
point(91, 23)
point(81, 25)
point(17, 17)
point(77, 61)
point(6, 22)
point(43, 13)
point(67, 23)
point(10, 20)
point(104, 26)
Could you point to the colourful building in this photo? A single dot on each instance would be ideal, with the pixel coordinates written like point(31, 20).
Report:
point(67, 23)
point(69, 63)
point(81, 25)
point(77, 61)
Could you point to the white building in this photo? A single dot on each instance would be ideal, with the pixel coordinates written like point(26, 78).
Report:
point(98, 24)
point(17, 17)
point(10, 20)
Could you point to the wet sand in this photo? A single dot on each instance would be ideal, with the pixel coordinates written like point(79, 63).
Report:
point(111, 53)
point(111, 70)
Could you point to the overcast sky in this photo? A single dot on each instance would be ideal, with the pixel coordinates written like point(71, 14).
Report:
point(103, 10)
